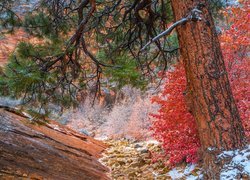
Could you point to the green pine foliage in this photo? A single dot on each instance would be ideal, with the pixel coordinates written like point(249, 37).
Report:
point(54, 71)
point(124, 73)
point(23, 77)
point(43, 26)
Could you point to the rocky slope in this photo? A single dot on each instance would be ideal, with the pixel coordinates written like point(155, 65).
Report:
point(130, 160)
point(29, 151)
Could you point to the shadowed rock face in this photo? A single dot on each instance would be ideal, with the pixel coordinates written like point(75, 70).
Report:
point(46, 152)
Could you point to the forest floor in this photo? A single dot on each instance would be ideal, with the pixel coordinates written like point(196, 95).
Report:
point(128, 159)
point(131, 159)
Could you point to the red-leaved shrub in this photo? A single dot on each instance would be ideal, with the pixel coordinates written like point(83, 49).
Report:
point(173, 125)
point(235, 43)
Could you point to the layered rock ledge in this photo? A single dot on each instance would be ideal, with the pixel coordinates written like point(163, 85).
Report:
point(51, 151)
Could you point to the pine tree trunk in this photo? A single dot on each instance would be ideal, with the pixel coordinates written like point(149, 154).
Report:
point(208, 89)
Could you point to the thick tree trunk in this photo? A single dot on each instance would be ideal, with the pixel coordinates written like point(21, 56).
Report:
point(208, 90)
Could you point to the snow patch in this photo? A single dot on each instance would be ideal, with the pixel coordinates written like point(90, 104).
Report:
point(186, 173)
point(239, 163)
point(175, 174)
point(152, 141)
point(102, 138)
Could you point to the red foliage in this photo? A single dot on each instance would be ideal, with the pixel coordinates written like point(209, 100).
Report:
point(173, 125)
point(235, 45)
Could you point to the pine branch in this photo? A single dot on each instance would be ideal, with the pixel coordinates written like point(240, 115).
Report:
point(193, 16)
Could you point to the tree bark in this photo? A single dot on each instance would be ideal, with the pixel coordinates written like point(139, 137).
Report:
point(208, 90)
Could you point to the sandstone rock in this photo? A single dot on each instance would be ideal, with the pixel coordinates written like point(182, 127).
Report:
point(46, 152)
